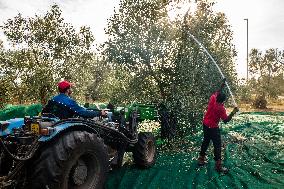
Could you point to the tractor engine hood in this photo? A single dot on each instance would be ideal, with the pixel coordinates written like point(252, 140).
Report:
point(8, 126)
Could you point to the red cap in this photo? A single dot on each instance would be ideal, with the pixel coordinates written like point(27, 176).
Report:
point(64, 85)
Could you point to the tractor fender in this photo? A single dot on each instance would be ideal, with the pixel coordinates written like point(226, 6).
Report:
point(62, 128)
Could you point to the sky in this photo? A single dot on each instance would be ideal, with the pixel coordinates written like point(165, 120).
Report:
point(265, 18)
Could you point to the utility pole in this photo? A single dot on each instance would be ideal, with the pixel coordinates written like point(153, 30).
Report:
point(246, 19)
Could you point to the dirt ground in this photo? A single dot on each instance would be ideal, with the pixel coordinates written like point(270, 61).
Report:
point(276, 106)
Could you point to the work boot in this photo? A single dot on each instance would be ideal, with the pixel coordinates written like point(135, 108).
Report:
point(219, 168)
point(201, 160)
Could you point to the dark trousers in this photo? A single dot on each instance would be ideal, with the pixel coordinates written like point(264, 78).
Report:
point(214, 135)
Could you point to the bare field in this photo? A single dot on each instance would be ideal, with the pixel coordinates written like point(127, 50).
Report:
point(272, 106)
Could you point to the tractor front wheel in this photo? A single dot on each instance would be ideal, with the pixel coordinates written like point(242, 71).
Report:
point(144, 153)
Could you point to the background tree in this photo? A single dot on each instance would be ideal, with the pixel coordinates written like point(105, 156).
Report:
point(244, 91)
point(12, 71)
point(266, 75)
point(48, 49)
point(3, 80)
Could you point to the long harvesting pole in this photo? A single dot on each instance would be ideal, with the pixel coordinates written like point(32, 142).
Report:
point(233, 99)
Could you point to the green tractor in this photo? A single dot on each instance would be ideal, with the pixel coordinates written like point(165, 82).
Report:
point(46, 152)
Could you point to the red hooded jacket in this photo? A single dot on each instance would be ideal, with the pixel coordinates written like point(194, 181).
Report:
point(215, 112)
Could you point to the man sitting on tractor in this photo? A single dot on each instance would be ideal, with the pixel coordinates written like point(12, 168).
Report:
point(63, 106)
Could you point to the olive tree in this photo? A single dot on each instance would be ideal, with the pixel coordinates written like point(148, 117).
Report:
point(47, 49)
point(162, 63)
point(266, 73)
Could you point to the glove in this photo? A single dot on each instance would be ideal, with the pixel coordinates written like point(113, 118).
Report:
point(103, 113)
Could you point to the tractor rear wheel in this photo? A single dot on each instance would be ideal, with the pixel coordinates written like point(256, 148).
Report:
point(76, 160)
point(144, 153)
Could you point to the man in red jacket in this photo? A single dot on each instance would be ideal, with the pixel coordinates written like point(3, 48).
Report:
point(215, 112)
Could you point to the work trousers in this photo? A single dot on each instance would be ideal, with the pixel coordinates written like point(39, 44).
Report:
point(214, 135)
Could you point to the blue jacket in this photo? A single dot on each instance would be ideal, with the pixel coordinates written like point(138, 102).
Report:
point(65, 107)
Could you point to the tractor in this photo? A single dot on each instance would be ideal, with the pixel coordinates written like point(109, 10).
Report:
point(44, 152)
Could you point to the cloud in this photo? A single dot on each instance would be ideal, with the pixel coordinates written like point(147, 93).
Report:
point(2, 5)
point(266, 25)
point(266, 19)
point(93, 13)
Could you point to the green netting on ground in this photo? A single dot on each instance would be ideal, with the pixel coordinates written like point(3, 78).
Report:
point(253, 150)
point(19, 111)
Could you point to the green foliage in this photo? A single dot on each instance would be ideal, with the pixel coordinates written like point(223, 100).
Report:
point(3, 92)
point(140, 44)
point(266, 74)
point(260, 102)
point(197, 75)
point(46, 49)
point(244, 92)
point(159, 61)
point(19, 111)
